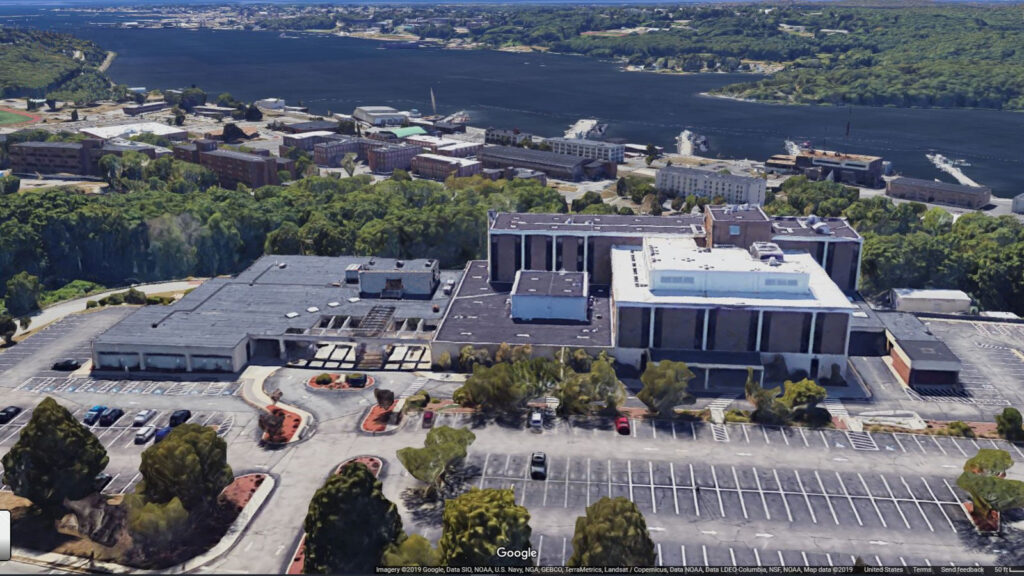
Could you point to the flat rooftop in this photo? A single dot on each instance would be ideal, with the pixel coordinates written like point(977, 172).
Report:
point(223, 312)
point(833, 155)
point(684, 224)
point(126, 130)
point(931, 294)
point(737, 213)
point(796, 226)
point(514, 154)
point(941, 186)
point(449, 159)
point(479, 314)
point(554, 284)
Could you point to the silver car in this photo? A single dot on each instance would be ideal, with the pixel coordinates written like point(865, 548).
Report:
point(143, 417)
point(145, 434)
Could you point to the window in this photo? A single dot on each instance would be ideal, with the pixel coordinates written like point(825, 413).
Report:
point(780, 282)
point(734, 230)
point(677, 279)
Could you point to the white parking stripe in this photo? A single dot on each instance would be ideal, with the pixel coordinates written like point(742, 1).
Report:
point(781, 493)
point(893, 498)
point(650, 471)
point(693, 484)
point(850, 500)
point(483, 474)
point(704, 550)
point(937, 503)
point(827, 499)
point(916, 501)
point(743, 504)
point(682, 549)
point(807, 499)
point(757, 556)
point(718, 491)
point(764, 503)
point(873, 502)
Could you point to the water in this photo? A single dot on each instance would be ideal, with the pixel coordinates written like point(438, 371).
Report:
point(545, 93)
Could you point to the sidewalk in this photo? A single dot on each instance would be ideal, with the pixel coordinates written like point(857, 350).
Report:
point(78, 564)
point(254, 395)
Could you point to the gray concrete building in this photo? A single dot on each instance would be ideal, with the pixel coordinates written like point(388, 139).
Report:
point(735, 189)
point(593, 149)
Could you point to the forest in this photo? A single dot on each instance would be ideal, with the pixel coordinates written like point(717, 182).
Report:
point(35, 63)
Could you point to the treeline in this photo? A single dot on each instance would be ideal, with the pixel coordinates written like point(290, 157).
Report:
point(172, 222)
point(909, 245)
point(34, 62)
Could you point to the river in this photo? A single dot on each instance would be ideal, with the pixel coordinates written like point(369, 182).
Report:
point(544, 94)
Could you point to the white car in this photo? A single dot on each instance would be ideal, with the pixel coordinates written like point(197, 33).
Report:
point(536, 419)
point(143, 417)
point(145, 434)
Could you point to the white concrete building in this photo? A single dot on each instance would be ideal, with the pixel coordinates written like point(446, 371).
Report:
point(379, 115)
point(594, 149)
point(684, 181)
point(128, 130)
point(543, 295)
point(936, 301)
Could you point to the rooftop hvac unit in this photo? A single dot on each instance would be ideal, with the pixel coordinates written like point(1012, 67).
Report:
point(822, 228)
point(773, 261)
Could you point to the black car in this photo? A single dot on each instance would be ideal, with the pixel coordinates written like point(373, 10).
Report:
point(67, 365)
point(539, 466)
point(110, 415)
point(8, 414)
point(180, 417)
point(101, 481)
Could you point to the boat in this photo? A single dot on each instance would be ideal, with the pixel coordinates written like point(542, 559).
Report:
point(597, 132)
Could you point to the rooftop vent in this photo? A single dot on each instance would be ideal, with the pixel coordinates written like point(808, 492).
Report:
point(773, 261)
point(282, 264)
point(291, 315)
point(399, 263)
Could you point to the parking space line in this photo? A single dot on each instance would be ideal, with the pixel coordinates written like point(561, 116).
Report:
point(633, 427)
point(898, 443)
point(957, 444)
point(693, 431)
point(873, 502)
point(704, 550)
point(659, 554)
point(781, 493)
point(764, 502)
point(782, 560)
point(902, 561)
point(804, 555)
point(563, 551)
point(894, 502)
point(993, 444)
point(1014, 446)
point(565, 501)
point(784, 437)
point(745, 436)
point(675, 491)
point(693, 485)
point(765, 432)
point(654, 430)
point(483, 474)
point(842, 484)
point(588, 487)
point(130, 483)
point(629, 470)
point(673, 429)
point(919, 444)
point(928, 562)
point(757, 556)
point(803, 437)
point(827, 499)
point(916, 501)
point(610, 479)
point(829, 558)
point(936, 442)
point(743, 505)
point(682, 549)
point(807, 499)
point(718, 491)
point(824, 440)
point(939, 504)
point(732, 556)
point(540, 546)
point(650, 471)
point(545, 501)
point(878, 560)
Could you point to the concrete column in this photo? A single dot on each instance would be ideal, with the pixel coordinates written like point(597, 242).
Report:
point(522, 252)
point(554, 253)
point(142, 361)
point(188, 362)
point(281, 349)
point(707, 377)
point(704, 340)
point(650, 342)
point(814, 323)
point(760, 321)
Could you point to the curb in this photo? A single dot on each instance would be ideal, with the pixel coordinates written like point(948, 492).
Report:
point(226, 542)
point(259, 400)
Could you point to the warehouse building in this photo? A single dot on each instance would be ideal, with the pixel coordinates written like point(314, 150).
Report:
point(281, 307)
point(593, 149)
point(559, 166)
point(683, 181)
point(129, 130)
point(931, 301)
point(145, 108)
point(919, 359)
point(379, 116)
point(973, 197)
point(437, 167)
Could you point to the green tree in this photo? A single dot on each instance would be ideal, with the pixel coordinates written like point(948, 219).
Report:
point(348, 162)
point(1008, 424)
point(55, 458)
point(665, 385)
point(803, 393)
point(613, 533)
point(505, 386)
point(285, 240)
point(8, 327)
point(156, 529)
point(190, 464)
point(477, 523)
point(413, 550)
point(232, 133)
point(443, 448)
point(9, 184)
point(599, 389)
point(984, 479)
point(253, 113)
point(768, 408)
point(23, 290)
point(400, 175)
point(349, 524)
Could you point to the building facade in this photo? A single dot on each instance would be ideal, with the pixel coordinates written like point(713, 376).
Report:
point(437, 167)
point(593, 149)
point(973, 197)
point(379, 116)
point(387, 158)
point(559, 166)
point(684, 181)
point(502, 137)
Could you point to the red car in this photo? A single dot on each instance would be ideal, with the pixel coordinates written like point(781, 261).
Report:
point(622, 425)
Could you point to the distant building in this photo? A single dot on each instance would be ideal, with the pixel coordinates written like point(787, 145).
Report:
point(1018, 204)
point(935, 301)
point(311, 126)
point(129, 130)
point(145, 107)
point(233, 168)
point(546, 295)
point(974, 197)
point(308, 140)
point(505, 137)
point(437, 167)
point(270, 104)
point(683, 181)
point(593, 149)
point(560, 166)
point(921, 360)
point(855, 169)
point(379, 115)
point(77, 158)
point(387, 158)
point(212, 111)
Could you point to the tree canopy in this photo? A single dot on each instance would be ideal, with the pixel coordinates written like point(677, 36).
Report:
point(665, 385)
point(190, 464)
point(984, 479)
point(479, 522)
point(612, 533)
point(55, 458)
point(442, 449)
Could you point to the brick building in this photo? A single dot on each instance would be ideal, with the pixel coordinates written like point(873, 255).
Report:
point(437, 167)
point(387, 158)
point(973, 197)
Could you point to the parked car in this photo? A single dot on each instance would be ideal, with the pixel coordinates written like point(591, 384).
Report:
point(536, 420)
point(428, 419)
point(161, 434)
point(539, 466)
point(179, 417)
point(143, 417)
point(110, 415)
point(622, 425)
point(145, 433)
point(93, 415)
point(67, 364)
point(101, 481)
point(8, 414)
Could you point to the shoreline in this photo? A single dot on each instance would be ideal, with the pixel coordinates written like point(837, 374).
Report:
point(111, 56)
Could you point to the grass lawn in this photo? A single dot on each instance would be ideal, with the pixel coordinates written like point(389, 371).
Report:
point(12, 117)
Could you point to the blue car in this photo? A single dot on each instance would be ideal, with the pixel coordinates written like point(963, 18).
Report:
point(93, 415)
point(161, 434)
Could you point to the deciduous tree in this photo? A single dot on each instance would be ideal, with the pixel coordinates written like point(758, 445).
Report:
point(414, 550)
point(479, 522)
point(1008, 424)
point(665, 386)
point(612, 533)
point(189, 464)
point(442, 449)
point(23, 291)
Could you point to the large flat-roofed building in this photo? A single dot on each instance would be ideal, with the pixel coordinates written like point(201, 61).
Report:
point(445, 146)
point(918, 358)
point(145, 108)
point(974, 197)
point(550, 295)
point(503, 137)
point(685, 181)
point(78, 158)
point(437, 167)
point(379, 115)
point(311, 126)
point(129, 130)
point(593, 149)
point(856, 169)
point(308, 140)
point(832, 242)
point(332, 151)
point(233, 168)
point(387, 158)
point(574, 242)
point(931, 301)
point(560, 166)
point(727, 309)
point(280, 307)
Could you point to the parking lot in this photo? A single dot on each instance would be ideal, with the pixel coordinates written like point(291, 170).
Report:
point(65, 384)
point(36, 343)
point(992, 354)
point(119, 439)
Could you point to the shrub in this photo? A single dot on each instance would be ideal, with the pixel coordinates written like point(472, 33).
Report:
point(444, 361)
point(324, 379)
point(92, 304)
point(356, 378)
point(418, 400)
point(737, 416)
point(960, 428)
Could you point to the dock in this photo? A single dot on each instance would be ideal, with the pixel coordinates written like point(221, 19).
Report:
point(947, 166)
point(581, 128)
